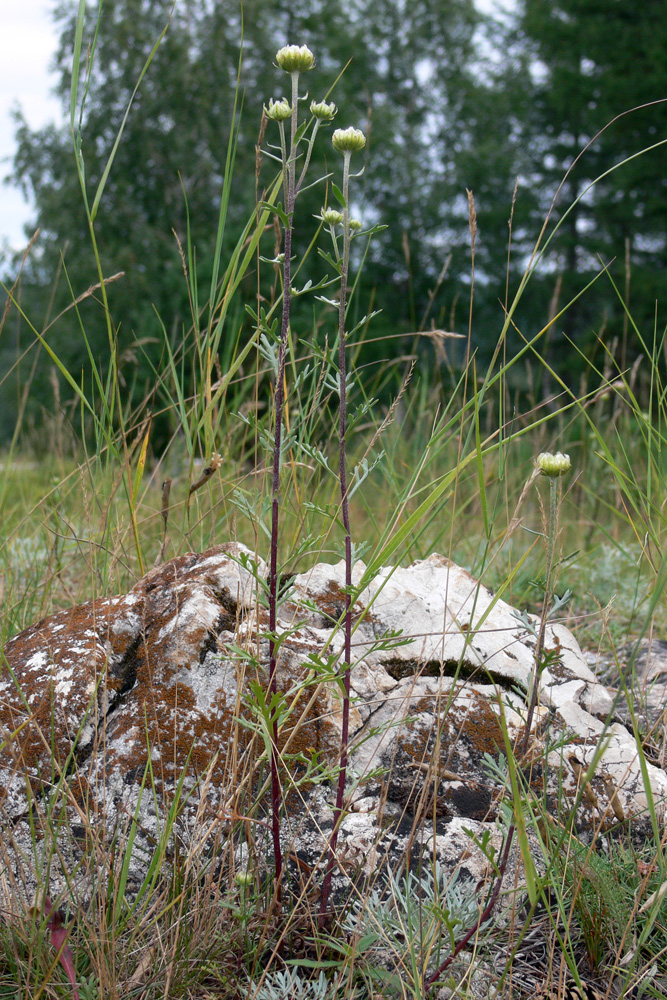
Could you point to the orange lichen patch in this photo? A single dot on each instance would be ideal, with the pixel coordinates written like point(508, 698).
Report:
point(177, 733)
point(309, 730)
point(167, 711)
point(447, 743)
point(332, 600)
point(51, 679)
point(561, 672)
point(117, 674)
point(178, 570)
point(480, 727)
point(180, 731)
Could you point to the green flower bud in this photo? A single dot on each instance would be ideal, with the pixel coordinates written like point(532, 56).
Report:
point(348, 140)
point(356, 224)
point(279, 111)
point(322, 110)
point(553, 465)
point(330, 217)
point(295, 58)
point(243, 879)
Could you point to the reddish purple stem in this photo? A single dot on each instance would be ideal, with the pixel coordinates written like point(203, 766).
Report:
point(276, 791)
point(58, 934)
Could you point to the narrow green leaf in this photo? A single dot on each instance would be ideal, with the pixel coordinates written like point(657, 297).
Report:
point(338, 194)
point(103, 180)
point(141, 462)
point(76, 62)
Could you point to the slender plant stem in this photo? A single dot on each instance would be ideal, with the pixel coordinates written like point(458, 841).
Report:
point(309, 152)
point(279, 405)
point(342, 475)
point(552, 530)
point(276, 795)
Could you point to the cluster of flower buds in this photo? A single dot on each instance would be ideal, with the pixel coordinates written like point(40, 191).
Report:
point(553, 465)
point(295, 58)
point(320, 109)
point(332, 217)
point(299, 59)
point(278, 111)
point(348, 140)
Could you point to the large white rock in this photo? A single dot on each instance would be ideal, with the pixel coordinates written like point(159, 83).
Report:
point(163, 677)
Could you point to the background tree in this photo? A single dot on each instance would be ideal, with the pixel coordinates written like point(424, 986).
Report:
point(404, 81)
point(591, 62)
point(450, 100)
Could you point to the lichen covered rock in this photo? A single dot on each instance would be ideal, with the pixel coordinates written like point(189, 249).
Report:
point(120, 705)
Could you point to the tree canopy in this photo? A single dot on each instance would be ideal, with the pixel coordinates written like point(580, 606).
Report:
point(451, 102)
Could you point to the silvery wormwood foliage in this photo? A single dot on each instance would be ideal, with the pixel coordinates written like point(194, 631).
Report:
point(289, 985)
point(416, 910)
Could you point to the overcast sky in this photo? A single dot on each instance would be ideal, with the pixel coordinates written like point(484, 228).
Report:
point(29, 41)
point(28, 44)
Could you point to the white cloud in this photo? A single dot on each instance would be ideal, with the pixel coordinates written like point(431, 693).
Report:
point(29, 41)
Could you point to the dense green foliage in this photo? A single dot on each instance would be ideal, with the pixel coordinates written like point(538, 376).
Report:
point(598, 90)
point(451, 101)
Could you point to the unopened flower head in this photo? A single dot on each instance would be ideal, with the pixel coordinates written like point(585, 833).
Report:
point(279, 111)
point(322, 110)
point(330, 217)
point(295, 58)
point(356, 224)
point(348, 140)
point(553, 465)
